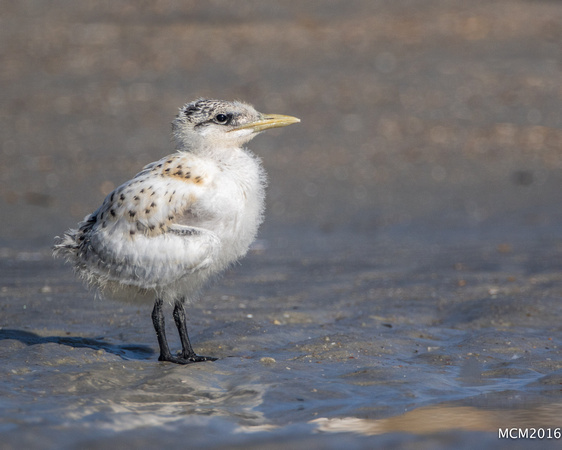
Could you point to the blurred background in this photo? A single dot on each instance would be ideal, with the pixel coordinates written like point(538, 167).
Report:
point(409, 266)
point(421, 116)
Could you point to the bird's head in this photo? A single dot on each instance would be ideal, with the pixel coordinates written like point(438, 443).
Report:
point(207, 124)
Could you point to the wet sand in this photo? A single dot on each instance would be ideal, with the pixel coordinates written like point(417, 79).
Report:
point(405, 288)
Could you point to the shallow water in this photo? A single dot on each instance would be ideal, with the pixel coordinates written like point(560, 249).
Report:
point(375, 341)
point(405, 289)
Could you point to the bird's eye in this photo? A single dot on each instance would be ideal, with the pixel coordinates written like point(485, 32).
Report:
point(222, 118)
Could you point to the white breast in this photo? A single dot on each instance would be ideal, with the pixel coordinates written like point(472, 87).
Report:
point(180, 221)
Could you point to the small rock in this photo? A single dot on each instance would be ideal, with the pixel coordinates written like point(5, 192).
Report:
point(267, 360)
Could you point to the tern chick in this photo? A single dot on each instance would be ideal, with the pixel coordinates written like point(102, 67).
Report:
point(163, 235)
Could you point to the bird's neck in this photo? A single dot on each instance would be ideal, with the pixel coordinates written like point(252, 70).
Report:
point(228, 155)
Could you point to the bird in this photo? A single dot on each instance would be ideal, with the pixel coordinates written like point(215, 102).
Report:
point(181, 221)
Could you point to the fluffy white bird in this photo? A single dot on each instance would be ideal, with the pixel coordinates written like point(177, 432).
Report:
point(181, 220)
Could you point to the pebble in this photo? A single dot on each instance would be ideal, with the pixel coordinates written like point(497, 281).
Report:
point(267, 360)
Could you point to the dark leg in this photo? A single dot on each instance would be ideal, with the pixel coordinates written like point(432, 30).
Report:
point(158, 322)
point(187, 353)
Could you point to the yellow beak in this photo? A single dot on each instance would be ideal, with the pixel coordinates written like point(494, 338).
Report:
point(269, 121)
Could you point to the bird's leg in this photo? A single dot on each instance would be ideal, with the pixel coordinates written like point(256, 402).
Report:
point(159, 327)
point(187, 352)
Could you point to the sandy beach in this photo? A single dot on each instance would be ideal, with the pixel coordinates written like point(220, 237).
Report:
point(404, 290)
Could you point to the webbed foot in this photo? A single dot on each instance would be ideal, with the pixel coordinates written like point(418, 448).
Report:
point(181, 359)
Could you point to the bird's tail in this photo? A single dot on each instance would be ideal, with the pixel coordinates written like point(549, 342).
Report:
point(67, 245)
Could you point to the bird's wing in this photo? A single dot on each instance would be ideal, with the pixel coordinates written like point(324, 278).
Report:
point(141, 235)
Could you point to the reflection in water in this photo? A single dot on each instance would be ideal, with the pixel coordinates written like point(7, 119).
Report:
point(427, 420)
point(255, 428)
point(175, 401)
point(435, 419)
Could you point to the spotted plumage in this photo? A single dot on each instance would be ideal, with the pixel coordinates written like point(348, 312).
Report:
point(181, 220)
